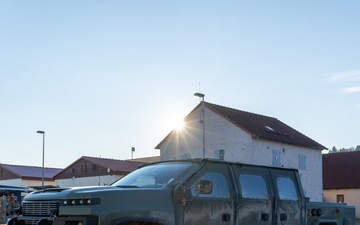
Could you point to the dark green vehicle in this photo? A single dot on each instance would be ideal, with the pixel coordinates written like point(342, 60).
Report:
point(191, 192)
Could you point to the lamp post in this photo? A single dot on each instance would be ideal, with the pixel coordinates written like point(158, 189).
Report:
point(132, 152)
point(202, 96)
point(43, 154)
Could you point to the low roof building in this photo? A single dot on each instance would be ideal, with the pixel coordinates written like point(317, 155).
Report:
point(341, 178)
point(89, 171)
point(26, 176)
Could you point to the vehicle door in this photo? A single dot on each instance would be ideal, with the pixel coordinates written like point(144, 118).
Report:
point(255, 205)
point(209, 196)
point(288, 197)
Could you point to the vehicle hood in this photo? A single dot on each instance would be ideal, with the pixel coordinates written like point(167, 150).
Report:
point(80, 192)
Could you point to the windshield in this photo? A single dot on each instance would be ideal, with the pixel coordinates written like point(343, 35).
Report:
point(153, 176)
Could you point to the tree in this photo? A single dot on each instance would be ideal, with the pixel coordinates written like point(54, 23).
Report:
point(333, 150)
point(351, 149)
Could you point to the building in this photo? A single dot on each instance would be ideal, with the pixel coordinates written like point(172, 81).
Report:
point(233, 135)
point(341, 178)
point(93, 171)
point(26, 176)
point(150, 159)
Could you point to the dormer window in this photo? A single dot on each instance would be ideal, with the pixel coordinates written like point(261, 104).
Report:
point(269, 129)
point(272, 130)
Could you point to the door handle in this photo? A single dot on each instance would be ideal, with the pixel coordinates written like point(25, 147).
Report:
point(225, 217)
point(283, 217)
point(265, 217)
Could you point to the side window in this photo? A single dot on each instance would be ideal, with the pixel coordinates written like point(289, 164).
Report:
point(253, 186)
point(220, 186)
point(286, 188)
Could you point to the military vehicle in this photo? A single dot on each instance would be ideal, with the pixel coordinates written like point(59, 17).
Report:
point(186, 192)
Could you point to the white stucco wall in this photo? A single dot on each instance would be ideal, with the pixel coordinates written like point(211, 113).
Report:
point(351, 197)
point(239, 146)
point(311, 175)
point(218, 135)
point(87, 181)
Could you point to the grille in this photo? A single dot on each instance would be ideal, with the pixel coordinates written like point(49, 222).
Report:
point(31, 222)
point(39, 208)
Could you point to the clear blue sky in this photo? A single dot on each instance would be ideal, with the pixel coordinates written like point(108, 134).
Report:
point(102, 76)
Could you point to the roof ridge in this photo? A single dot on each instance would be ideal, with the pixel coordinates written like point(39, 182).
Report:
point(5, 164)
point(226, 107)
point(90, 157)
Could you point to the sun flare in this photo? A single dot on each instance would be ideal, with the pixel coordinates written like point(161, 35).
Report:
point(176, 122)
point(179, 125)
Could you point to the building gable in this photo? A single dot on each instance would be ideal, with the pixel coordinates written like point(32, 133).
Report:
point(92, 166)
point(6, 174)
point(258, 126)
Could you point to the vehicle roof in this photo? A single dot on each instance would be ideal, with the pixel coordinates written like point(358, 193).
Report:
point(208, 160)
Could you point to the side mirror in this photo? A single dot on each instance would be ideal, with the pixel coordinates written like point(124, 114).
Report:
point(203, 187)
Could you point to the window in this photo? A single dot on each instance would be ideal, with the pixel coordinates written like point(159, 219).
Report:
point(340, 198)
point(220, 186)
point(219, 154)
point(253, 186)
point(186, 156)
point(276, 160)
point(286, 189)
point(83, 167)
point(302, 162)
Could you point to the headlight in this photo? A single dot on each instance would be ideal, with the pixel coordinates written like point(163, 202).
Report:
point(85, 201)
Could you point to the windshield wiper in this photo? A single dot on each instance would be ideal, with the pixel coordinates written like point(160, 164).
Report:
point(127, 186)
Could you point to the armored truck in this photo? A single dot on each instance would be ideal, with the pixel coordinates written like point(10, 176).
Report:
point(186, 192)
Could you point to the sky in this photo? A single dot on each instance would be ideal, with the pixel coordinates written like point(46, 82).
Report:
point(100, 77)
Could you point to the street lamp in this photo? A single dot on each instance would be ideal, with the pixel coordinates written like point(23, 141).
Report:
point(43, 153)
point(202, 96)
point(132, 152)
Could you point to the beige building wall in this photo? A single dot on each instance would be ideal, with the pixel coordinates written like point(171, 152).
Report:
point(25, 183)
point(351, 197)
point(224, 139)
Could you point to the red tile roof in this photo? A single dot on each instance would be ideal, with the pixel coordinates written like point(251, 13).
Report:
point(259, 126)
point(115, 164)
point(341, 170)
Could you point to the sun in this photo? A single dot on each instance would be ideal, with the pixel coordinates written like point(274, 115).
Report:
point(176, 122)
point(179, 125)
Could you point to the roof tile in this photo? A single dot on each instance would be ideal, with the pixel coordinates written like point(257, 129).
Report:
point(341, 170)
point(115, 164)
point(264, 127)
point(258, 126)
